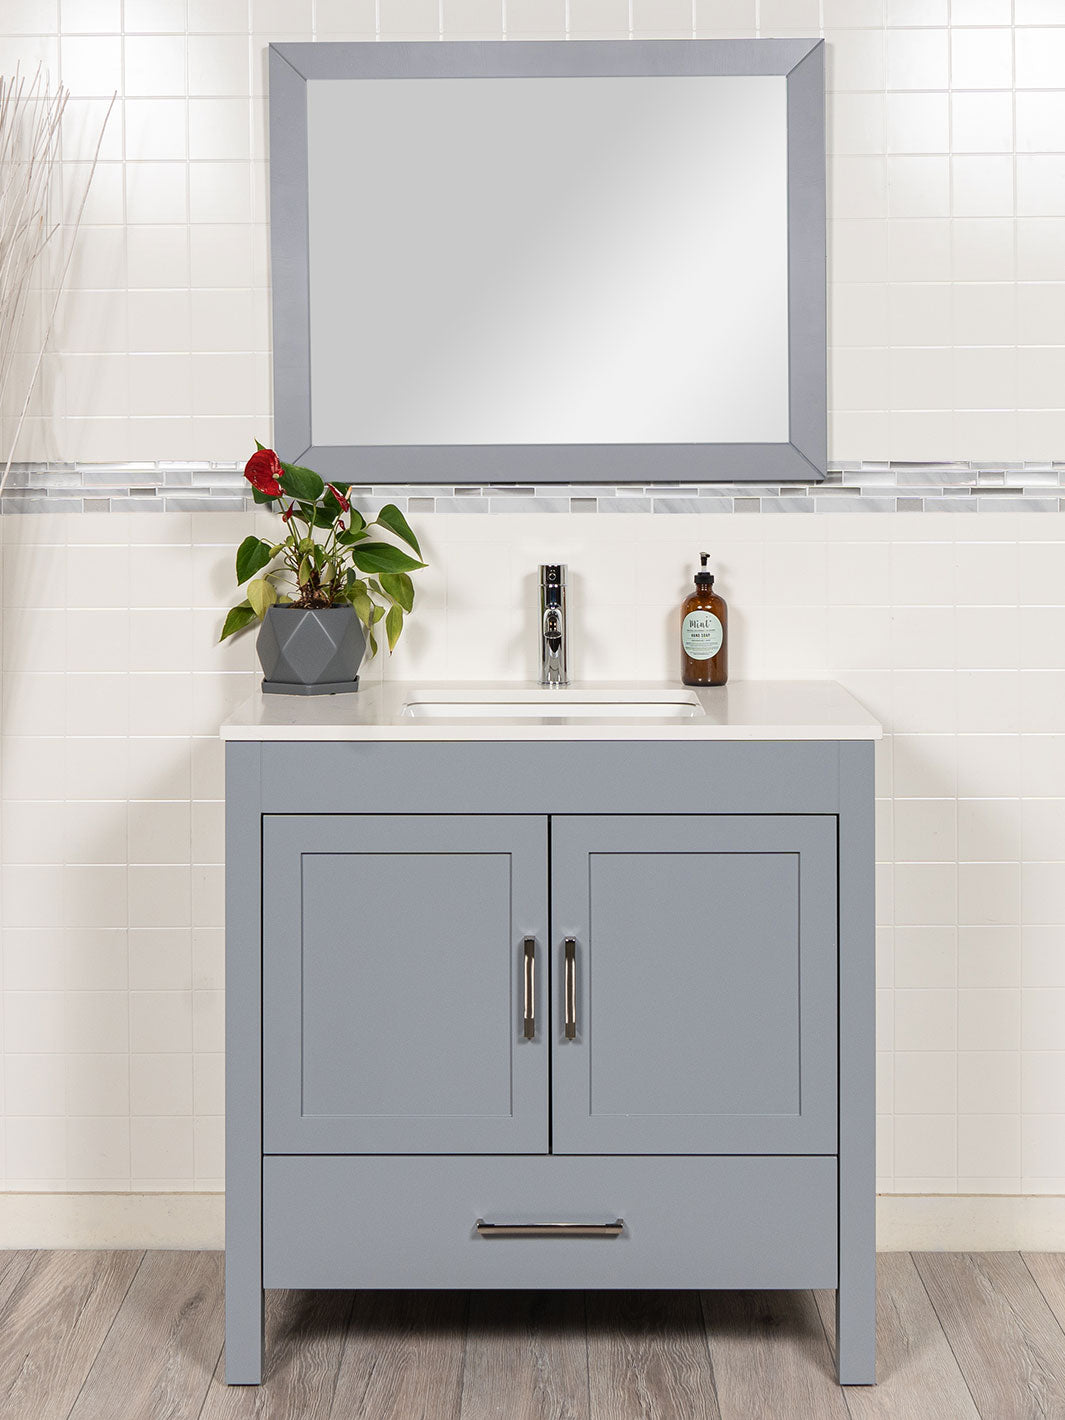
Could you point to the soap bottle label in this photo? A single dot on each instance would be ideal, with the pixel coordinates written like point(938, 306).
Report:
point(701, 635)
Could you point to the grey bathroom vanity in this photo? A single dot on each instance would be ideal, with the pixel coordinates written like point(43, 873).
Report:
point(565, 989)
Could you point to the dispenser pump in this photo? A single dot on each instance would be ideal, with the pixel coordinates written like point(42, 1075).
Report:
point(704, 631)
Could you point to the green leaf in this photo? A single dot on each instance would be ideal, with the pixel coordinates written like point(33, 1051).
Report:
point(263, 497)
point(261, 595)
point(382, 557)
point(301, 483)
point(306, 571)
point(356, 595)
point(252, 556)
point(399, 587)
point(376, 615)
point(237, 619)
point(391, 518)
point(348, 539)
point(323, 518)
point(394, 625)
point(357, 521)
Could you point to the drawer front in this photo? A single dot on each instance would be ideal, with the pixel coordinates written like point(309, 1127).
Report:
point(397, 1222)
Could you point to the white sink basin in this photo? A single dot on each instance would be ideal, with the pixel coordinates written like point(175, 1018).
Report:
point(555, 705)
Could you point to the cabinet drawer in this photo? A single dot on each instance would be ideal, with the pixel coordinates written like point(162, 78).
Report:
point(730, 1222)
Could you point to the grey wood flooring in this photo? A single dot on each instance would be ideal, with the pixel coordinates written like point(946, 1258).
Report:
point(139, 1336)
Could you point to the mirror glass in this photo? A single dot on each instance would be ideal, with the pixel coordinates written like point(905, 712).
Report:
point(550, 261)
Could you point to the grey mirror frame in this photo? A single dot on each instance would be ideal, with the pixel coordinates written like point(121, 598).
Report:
point(803, 458)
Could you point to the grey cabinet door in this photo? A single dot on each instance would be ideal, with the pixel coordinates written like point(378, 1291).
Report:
point(394, 984)
point(704, 984)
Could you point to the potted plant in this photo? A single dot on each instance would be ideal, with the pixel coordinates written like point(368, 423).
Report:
point(321, 591)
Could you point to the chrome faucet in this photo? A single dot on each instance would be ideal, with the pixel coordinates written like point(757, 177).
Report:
point(554, 635)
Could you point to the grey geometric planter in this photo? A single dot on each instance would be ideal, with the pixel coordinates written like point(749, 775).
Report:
point(310, 652)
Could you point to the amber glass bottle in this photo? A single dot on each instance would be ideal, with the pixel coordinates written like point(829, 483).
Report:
point(704, 633)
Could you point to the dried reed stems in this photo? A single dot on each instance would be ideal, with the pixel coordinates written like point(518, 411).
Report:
point(30, 150)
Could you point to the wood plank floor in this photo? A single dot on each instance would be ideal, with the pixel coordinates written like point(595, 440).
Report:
point(138, 1336)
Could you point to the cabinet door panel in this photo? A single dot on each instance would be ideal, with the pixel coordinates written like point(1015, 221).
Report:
point(393, 984)
point(705, 984)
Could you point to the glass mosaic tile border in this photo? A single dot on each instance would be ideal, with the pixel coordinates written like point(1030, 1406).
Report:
point(858, 487)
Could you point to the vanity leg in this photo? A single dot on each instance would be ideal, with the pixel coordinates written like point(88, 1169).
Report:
point(244, 1135)
point(244, 1328)
point(856, 1331)
point(856, 1291)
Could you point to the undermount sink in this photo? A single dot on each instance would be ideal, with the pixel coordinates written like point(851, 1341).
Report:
point(555, 705)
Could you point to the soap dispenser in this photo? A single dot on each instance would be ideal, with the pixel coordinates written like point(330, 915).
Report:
point(704, 632)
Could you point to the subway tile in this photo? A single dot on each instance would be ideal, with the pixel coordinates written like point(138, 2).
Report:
point(925, 1081)
point(154, 65)
point(1036, 12)
point(989, 1145)
point(219, 128)
point(917, 59)
point(982, 186)
point(855, 60)
point(980, 12)
point(162, 1150)
point(1040, 57)
point(1041, 248)
point(219, 64)
point(90, 16)
point(161, 1083)
point(91, 65)
point(925, 1145)
point(925, 958)
point(989, 893)
point(904, 13)
point(989, 1019)
point(989, 1081)
point(1041, 184)
point(650, 18)
point(918, 186)
point(981, 58)
point(926, 893)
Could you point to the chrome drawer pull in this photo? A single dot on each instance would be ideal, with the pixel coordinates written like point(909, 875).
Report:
point(530, 988)
point(551, 1230)
point(571, 988)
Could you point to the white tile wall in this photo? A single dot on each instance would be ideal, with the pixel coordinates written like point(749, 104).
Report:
point(950, 628)
point(947, 207)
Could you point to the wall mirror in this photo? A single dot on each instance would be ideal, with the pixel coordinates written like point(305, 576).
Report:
point(548, 262)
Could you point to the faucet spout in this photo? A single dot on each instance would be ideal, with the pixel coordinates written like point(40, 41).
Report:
point(554, 647)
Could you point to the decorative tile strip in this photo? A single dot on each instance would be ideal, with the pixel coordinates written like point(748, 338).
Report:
point(871, 486)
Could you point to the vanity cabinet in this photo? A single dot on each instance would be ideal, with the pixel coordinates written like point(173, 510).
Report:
point(486, 989)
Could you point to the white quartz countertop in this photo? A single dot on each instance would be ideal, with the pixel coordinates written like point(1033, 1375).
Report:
point(396, 710)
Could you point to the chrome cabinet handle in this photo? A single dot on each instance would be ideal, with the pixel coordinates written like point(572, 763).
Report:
point(571, 988)
point(550, 1230)
point(530, 988)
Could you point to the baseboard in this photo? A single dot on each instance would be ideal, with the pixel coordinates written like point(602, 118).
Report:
point(970, 1222)
point(941, 1222)
point(112, 1220)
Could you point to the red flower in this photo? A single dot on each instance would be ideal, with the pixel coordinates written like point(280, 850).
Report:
point(345, 505)
point(263, 470)
point(288, 512)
